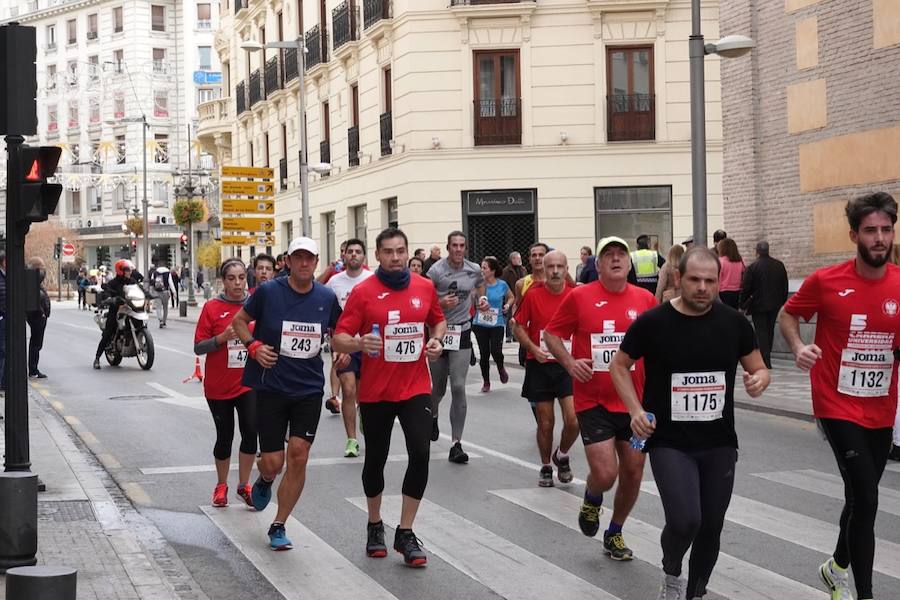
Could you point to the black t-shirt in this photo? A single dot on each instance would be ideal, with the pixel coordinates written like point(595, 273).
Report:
point(690, 365)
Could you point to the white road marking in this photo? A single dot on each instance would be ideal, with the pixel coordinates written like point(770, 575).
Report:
point(173, 397)
point(831, 486)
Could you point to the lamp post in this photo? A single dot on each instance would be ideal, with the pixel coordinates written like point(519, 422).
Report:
point(730, 46)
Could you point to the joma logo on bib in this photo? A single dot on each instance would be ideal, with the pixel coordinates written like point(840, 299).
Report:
point(406, 329)
point(602, 338)
point(698, 379)
point(303, 327)
point(869, 356)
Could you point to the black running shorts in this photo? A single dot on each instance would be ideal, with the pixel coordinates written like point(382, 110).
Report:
point(598, 425)
point(545, 382)
point(278, 416)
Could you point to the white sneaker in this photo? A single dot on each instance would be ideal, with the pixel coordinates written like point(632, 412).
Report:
point(836, 582)
point(672, 588)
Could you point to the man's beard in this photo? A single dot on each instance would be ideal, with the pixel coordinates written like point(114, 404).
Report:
point(697, 306)
point(872, 261)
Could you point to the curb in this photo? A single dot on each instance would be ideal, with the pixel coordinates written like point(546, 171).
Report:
point(774, 410)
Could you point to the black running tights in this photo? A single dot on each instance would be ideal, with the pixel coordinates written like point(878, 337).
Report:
point(490, 344)
point(861, 455)
point(695, 489)
point(223, 416)
point(378, 423)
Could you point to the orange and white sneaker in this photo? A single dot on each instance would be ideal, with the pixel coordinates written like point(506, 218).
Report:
point(244, 491)
point(220, 495)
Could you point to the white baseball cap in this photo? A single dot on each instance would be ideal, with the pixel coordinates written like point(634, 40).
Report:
point(303, 243)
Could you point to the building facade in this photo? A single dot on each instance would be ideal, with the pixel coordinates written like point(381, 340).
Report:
point(812, 118)
point(558, 120)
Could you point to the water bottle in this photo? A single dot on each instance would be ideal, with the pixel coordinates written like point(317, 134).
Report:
point(376, 330)
point(638, 442)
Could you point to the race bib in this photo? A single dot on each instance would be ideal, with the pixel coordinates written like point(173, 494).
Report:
point(865, 373)
point(698, 396)
point(403, 342)
point(237, 354)
point(300, 340)
point(603, 347)
point(453, 337)
point(567, 344)
point(489, 317)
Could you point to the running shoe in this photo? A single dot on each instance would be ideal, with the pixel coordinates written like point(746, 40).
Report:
point(407, 544)
point(435, 430)
point(589, 518)
point(672, 588)
point(486, 387)
point(563, 470)
point(504, 376)
point(458, 455)
point(97, 363)
point(352, 449)
point(261, 493)
point(894, 453)
point(472, 360)
point(278, 539)
point(375, 547)
point(245, 492)
point(332, 405)
point(615, 548)
point(546, 479)
point(838, 584)
point(220, 495)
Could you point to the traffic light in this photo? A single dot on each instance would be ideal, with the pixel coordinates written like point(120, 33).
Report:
point(57, 250)
point(184, 242)
point(133, 246)
point(18, 80)
point(36, 198)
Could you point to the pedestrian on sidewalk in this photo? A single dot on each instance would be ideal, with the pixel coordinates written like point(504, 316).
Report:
point(489, 325)
point(512, 272)
point(764, 291)
point(161, 290)
point(83, 283)
point(732, 272)
point(226, 358)
point(665, 287)
point(37, 320)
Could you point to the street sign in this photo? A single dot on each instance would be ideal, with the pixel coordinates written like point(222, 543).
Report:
point(68, 253)
point(248, 224)
point(258, 172)
point(247, 240)
point(260, 207)
point(249, 188)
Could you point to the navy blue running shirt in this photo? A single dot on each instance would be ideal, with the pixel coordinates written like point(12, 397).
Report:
point(294, 324)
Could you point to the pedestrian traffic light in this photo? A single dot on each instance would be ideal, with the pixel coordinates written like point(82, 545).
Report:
point(18, 80)
point(184, 242)
point(134, 245)
point(57, 250)
point(36, 198)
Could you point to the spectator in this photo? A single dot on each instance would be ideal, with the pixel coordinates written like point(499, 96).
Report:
point(82, 282)
point(435, 256)
point(665, 288)
point(731, 273)
point(588, 267)
point(645, 265)
point(512, 272)
point(688, 243)
point(175, 274)
point(718, 236)
point(763, 291)
point(420, 254)
point(37, 321)
point(416, 265)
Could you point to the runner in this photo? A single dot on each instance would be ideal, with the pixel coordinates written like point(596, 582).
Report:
point(536, 253)
point(690, 347)
point(342, 284)
point(488, 326)
point(458, 281)
point(854, 392)
point(292, 314)
point(545, 379)
point(263, 269)
point(225, 395)
point(596, 316)
point(394, 382)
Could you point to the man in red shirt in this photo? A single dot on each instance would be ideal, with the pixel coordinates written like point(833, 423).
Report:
point(596, 317)
point(394, 381)
point(546, 379)
point(852, 368)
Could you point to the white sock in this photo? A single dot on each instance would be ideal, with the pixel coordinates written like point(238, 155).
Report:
point(561, 454)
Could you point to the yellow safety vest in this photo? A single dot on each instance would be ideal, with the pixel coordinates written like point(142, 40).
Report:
point(646, 263)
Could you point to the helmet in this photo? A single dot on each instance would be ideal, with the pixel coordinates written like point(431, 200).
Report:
point(123, 264)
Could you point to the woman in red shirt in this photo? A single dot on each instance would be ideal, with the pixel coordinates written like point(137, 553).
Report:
point(731, 272)
point(225, 394)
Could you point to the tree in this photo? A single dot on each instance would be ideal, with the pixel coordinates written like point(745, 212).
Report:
point(41, 240)
point(209, 255)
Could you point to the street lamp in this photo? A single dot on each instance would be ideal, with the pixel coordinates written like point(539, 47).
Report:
point(730, 46)
point(255, 46)
point(145, 126)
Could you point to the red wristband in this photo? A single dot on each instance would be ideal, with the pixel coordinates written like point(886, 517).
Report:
point(252, 348)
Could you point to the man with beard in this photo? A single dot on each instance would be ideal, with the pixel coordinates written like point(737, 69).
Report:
point(854, 392)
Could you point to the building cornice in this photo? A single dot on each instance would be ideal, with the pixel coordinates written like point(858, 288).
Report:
point(52, 11)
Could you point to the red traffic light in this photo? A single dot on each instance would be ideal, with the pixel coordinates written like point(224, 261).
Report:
point(39, 162)
point(184, 238)
point(35, 173)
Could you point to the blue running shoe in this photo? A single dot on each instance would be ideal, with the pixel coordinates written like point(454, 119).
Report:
point(278, 539)
point(261, 493)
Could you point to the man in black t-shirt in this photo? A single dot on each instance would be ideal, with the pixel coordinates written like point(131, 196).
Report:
point(691, 347)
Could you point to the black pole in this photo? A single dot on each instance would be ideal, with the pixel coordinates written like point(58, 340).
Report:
point(59, 244)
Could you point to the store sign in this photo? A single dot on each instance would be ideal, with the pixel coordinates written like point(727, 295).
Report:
point(500, 202)
point(207, 77)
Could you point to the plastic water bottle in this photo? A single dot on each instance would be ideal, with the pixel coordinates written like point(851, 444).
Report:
point(638, 442)
point(376, 330)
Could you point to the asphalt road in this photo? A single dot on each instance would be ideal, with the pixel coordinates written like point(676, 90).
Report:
point(489, 530)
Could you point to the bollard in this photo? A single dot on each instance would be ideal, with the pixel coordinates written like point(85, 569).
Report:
point(182, 308)
point(18, 519)
point(41, 583)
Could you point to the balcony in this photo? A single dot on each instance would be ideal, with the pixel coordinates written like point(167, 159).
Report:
point(239, 5)
point(353, 146)
point(291, 70)
point(317, 46)
point(240, 98)
point(214, 117)
point(387, 133)
point(255, 90)
point(630, 117)
point(91, 36)
point(498, 121)
point(344, 21)
point(204, 24)
point(273, 80)
point(325, 151)
point(375, 10)
point(282, 174)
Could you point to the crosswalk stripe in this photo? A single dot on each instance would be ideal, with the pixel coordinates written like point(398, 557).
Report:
point(732, 578)
point(313, 570)
point(826, 484)
point(798, 529)
point(507, 569)
point(895, 467)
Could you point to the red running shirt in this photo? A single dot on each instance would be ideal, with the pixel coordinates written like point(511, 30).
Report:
point(221, 382)
point(401, 315)
point(857, 329)
point(537, 308)
point(596, 319)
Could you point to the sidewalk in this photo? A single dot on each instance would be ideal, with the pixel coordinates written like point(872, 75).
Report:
point(85, 522)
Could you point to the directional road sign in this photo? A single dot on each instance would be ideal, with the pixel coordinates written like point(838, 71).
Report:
point(259, 172)
point(247, 240)
point(259, 207)
point(248, 224)
point(249, 188)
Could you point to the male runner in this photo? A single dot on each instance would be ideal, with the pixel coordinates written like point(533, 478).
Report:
point(394, 382)
point(458, 281)
point(852, 368)
point(596, 316)
point(536, 253)
point(545, 379)
point(263, 269)
point(292, 314)
point(342, 284)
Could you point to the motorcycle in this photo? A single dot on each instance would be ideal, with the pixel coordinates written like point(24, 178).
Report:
point(132, 336)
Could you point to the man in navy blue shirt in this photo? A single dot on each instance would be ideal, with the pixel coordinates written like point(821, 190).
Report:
point(292, 315)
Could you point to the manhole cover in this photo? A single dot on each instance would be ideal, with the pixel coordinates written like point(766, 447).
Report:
point(136, 397)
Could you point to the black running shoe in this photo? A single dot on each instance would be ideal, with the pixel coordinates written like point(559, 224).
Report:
point(458, 455)
point(615, 548)
point(375, 547)
point(407, 544)
point(546, 478)
point(895, 452)
point(435, 430)
point(589, 518)
point(563, 470)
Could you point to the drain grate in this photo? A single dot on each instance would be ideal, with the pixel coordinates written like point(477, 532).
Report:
point(66, 511)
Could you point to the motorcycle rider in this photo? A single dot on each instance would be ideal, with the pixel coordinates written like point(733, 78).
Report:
point(126, 274)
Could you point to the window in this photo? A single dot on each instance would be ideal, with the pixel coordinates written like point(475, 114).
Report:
point(95, 202)
point(73, 113)
point(118, 105)
point(389, 210)
point(51, 77)
point(118, 20)
point(51, 37)
point(208, 95)
point(95, 152)
point(121, 149)
point(388, 91)
point(92, 26)
point(630, 212)
point(94, 105)
point(161, 193)
point(360, 226)
point(204, 16)
point(287, 231)
point(498, 118)
point(159, 61)
point(251, 155)
point(72, 73)
point(119, 196)
point(94, 67)
point(204, 61)
point(52, 124)
point(328, 224)
point(74, 202)
point(119, 61)
point(326, 122)
point(161, 153)
point(157, 18)
point(268, 158)
point(160, 103)
point(72, 30)
point(630, 103)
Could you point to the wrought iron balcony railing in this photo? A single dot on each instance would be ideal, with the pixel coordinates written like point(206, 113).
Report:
point(291, 68)
point(273, 81)
point(325, 151)
point(240, 98)
point(375, 10)
point(317, 46)
point(498, 121)
point(630, 117)
point(344, 21)
point(353, 146)
point(256, 90)
point(282, 174)
point(387, 132)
